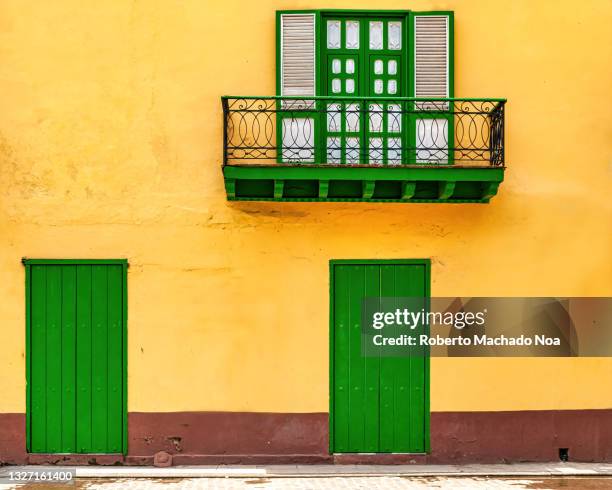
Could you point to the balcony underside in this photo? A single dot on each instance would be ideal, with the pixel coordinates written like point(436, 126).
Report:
point(332, 183)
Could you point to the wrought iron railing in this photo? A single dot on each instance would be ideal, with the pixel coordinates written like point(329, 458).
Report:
point(363, 130)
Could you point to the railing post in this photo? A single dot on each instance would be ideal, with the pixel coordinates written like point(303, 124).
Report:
point(503, 132)
point(225, 106)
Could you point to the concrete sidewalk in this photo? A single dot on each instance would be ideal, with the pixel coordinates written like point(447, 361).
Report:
point(327, 471)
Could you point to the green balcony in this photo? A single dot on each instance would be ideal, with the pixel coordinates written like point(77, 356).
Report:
point(363, 149)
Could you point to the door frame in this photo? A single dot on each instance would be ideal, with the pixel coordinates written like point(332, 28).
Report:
point(28, 263)
point(405, 89)
point(332, 263)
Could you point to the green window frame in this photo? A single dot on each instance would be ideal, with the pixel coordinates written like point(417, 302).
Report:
point(408, 120)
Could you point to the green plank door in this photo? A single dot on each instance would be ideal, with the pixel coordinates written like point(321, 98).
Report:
point(379, 404)
point(75, 358)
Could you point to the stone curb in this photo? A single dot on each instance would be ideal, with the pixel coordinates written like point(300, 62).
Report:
point(330, 471)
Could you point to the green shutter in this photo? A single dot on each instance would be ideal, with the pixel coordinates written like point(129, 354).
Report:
point(432, 74)
point(432, 54)
point(296, 76)
point(76, 356)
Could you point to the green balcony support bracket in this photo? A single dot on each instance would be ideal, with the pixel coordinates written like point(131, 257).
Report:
point(408, 189)
point(279, 186)
point(230, 187)
point(323, 189)
point(446, 189)
point(367, 189)
point(490, 189)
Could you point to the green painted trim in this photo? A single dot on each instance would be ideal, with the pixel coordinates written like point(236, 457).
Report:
point(350, 99)
point(360, 199)
point(331, 344)
point(332, 263)
point(27, 261)
point(125, 360)
point(362, 172)
point(28, 360)
point(427, 407)
point(426, 262)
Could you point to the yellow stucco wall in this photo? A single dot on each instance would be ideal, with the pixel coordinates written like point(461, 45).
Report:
point(110, 146)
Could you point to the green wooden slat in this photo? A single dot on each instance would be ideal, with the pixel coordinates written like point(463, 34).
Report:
point(115, 358)
point(387, 373)
point(54, 359)
point(372, 373)
point(68, 359)
point(356, 361)
point(415, 286)
point(341, 359)
point(404, 421)
point(99, 365)
point(38, 356)
point(84, 359)
point(124, 402)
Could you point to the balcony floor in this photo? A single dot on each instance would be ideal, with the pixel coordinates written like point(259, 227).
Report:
point(346, 183)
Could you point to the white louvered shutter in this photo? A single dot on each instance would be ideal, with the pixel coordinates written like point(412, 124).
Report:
point(298, 49)
point(431, 63)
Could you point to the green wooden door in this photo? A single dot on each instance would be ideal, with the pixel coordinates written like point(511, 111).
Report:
point(364, 57)
point(378, 404)
point(76, 336)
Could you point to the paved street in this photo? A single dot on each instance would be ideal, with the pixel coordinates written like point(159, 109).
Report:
point(335, 483)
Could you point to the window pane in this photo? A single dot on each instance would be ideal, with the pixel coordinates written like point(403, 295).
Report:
point(352, 118)
point(378, 67)
point(376, 35)
point(352, 150)
point(336, 66)
point(334, 152)
point(352, 34)
point(392, 67)
point(350, 66)
point(298, 140)
point(392, 86)
point(378, 86)
point(336, 87)
point(333, 34)
point(395, 35)
point(376, 150)
point(394, 152)
point(432, 141)
point(333, 117)
point(394, 118)
point(376, 118)
point(350, 85)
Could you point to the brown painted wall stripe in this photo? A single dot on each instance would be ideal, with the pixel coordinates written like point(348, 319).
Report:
point(229, 437)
